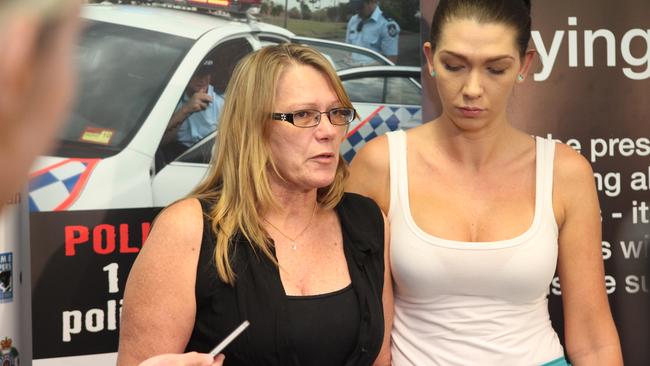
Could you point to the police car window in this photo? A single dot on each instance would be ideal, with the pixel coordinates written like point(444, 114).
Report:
point(203, 97)
point(365, 90)
point(400, 90)
point(200, 154)
point(268, 40)
point(122, 72)
point(347, 57)
point(226, 56)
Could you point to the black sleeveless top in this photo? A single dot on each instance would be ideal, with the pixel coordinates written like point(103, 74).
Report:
point(324, 328)
point(258, 295)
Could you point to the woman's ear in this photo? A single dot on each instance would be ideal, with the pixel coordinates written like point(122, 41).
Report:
point(526, 62)
point(427, 49)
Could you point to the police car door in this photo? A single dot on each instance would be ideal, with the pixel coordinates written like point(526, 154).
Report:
point(176, 178)
point(387, 98)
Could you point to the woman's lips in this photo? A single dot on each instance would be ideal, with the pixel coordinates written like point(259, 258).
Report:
point(470, 112)
point(324, 158)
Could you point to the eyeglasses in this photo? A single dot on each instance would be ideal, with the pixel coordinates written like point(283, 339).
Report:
point(360, 26)
point(311, 117)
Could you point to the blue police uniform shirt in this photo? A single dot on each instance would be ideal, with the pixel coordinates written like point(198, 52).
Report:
point(378, 33)
point(202, 123)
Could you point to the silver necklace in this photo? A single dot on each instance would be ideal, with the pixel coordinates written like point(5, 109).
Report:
point(294, 242)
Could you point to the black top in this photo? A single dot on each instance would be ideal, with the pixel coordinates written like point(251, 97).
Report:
point(258, 295)
point(324, 338)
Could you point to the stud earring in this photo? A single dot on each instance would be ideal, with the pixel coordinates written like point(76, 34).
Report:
point(520, 77)
point(433, 73)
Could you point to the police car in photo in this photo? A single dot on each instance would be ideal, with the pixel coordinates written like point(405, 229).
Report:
point(135, 65)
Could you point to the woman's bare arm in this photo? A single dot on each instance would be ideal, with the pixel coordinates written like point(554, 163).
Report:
point(159, 299)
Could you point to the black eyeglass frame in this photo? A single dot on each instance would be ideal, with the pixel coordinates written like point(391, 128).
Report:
point(288, 117)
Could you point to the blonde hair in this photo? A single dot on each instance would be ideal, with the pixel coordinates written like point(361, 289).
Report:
point(237, 184)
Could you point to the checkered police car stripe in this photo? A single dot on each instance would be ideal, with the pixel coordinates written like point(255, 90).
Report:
point(56, 187)
point(382, 120)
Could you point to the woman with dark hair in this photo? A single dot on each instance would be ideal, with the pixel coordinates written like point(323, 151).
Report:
point(269, 236)
point(481, 213)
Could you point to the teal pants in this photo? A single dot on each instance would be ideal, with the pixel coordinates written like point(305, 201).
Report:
point(558, 362)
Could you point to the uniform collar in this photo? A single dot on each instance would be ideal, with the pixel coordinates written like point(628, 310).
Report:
point(376, 14)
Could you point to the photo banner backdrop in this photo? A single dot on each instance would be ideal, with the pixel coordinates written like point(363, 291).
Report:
point(12, 303)
point(590, 88)
point(80, 263)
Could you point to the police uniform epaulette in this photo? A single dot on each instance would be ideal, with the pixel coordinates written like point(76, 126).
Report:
point(388, 16)
point(391, 24)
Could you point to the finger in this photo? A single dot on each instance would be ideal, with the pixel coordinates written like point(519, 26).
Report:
point(186, 359)
point(206, 98)
point(218, 361)
point(195, 359)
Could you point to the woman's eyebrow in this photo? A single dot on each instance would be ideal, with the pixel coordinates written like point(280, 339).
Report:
point(491, 59)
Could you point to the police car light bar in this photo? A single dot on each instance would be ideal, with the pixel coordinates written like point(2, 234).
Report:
point(231, 6)
point(202, 3)
point(242, 9)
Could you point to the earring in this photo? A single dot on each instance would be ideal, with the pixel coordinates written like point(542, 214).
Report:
point(520, 77)
point(433, 73)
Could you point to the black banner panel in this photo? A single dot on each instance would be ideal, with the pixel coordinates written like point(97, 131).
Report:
point(80, 263)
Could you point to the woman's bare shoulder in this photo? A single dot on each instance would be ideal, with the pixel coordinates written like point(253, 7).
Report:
point(573, 182)
point(373, 155)
point(370, 170)
point(570, 166)
point(180, 222)
point(187, 207)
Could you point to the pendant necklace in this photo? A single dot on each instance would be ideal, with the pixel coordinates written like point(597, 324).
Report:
point(294, 242)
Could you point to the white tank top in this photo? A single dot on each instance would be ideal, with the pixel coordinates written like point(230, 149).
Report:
point(469, 303)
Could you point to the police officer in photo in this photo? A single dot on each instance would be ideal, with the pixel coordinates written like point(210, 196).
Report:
point(373, 29)
point(196, 115)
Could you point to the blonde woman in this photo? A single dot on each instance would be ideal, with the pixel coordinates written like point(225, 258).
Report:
point(269, 236)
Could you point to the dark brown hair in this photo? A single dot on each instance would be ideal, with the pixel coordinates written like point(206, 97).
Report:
point(515, 13)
